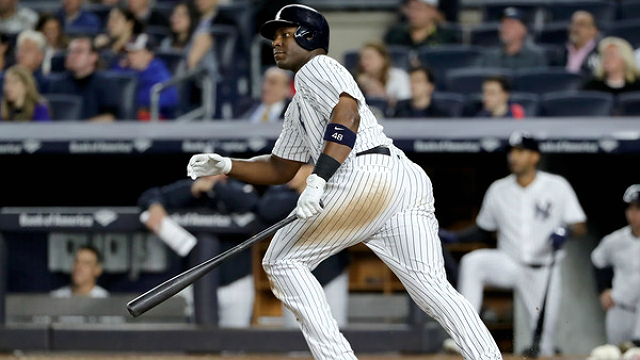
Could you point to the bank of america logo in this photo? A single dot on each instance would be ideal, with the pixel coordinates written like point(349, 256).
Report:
point(105, 217)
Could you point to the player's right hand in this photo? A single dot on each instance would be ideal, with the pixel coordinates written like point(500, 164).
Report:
point(309, 203)
point(208, 164)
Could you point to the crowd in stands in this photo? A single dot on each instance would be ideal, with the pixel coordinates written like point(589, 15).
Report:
point(426, 65)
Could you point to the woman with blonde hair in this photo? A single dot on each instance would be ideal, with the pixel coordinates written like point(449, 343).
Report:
point(617, 71)
point(378, 78)
point(21, 100)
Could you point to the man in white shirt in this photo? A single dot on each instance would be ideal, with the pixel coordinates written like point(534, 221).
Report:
point(87, 267)
point(533, 213)
point(14, 18)
point(621, 297)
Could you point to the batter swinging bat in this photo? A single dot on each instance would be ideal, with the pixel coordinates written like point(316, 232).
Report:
point(167, 289)
point(534, 351)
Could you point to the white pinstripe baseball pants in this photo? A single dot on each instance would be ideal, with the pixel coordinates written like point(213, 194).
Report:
point(387, 203)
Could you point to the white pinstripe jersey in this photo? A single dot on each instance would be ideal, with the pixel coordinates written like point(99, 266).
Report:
point(319, 84)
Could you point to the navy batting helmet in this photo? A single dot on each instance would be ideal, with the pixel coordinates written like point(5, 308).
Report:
point(313, 29)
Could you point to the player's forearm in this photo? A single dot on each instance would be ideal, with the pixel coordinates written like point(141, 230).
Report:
point(346, 114)
point(264, 170)
point(578, 229)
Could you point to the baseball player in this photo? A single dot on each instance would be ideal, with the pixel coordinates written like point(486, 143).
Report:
point(362, 189)
point(621, 251)
point(533, 213)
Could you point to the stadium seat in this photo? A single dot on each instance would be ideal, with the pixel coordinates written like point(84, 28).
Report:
point(122, 91)
point(58, 61)
point(529, 102)
point(604, 11)
point(241, 11)
point(553, 54)
point(65, 107)
point(577, 103)
point(628, 104)
point(448, 57)
point(171, 58)
point(485, 34)
point(469, 80)
point(451, 103)
point(553, 33)
point(381, 105)
point(456, 29)
point(628, 30)
point(629, 9)
point(158, 32)
point(101, 10)
point(545, 80)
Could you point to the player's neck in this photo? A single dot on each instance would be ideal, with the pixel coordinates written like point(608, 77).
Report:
point(635, 232)
point(524, 179)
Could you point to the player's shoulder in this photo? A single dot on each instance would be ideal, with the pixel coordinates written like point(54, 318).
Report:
point(553, 179)
point(319, 66)
point(618, 235)
point(503, 183)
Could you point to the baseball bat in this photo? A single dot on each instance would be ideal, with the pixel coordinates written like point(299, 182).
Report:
point(534, 351)
point(167, 289)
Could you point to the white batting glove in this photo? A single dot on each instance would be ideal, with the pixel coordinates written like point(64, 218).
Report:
point(208, 164)
point(309, 200)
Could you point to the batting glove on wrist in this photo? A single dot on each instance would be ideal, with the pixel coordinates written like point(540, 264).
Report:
point(208, 164)
point(558, 237)
point(309, 201)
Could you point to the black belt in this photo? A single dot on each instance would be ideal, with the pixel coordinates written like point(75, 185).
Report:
point(376, 150)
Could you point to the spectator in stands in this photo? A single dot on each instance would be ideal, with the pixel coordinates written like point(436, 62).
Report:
point(581, 51)
point(496, 103)
point(14, 18)
point(50, 26)
point(276, 95)
point(420, 105)
point(73, 16)
point(121, 26)
point(184, 20)
point(620, 293)
point(30, 51)
point(224, 196)
point(617, 71)
point(146, 14)
point(150, 70)
point(277, 203)
point(422, 27)
point(83, 79)
point(87, 268)
point(517, 51)
point(378, 78)
point(21, 100)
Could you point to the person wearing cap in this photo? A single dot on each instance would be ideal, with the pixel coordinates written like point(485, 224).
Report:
point(533, 213)
point(422, 27)
point(149, 70)
point(619, 252)
point(517, 51)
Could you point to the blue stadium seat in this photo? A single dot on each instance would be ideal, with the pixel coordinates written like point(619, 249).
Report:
point(553, 33)
point(65, 107)
point(545, 80)
point(58, 61)
point(628, 104)
point(628, 30)
point(529, 102)
point(604, 11)
point(241, 11)
point(485, 34)
point(447, 57)
point(456, 29)
point(553, 54)
point(451, 103)
point(171, 58)
point(469, 80)
point(629, 9)
point(577, 103)
point(122, 91)
point(158, 32)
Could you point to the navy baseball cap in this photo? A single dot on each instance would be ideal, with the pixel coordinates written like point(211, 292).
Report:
point(523, 140)
point(513, 13)
point(632, 194)
point(140, 42)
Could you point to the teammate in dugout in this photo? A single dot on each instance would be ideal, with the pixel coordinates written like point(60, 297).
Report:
point(620, 298)
point(533, 213)
point(372, 193)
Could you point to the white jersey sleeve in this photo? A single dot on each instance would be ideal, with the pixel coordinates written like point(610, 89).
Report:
point(487, 219)
point(290, 144)
point(601, 255)
point(322, 81)
point(572, 211)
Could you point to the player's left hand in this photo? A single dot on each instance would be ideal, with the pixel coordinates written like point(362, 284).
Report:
point(558, 237)
point(309, 203)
